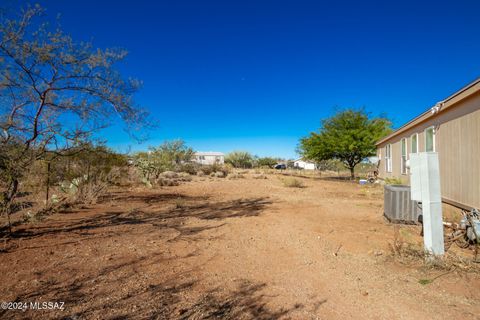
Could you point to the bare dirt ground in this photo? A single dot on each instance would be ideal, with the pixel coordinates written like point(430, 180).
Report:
point(229, 249)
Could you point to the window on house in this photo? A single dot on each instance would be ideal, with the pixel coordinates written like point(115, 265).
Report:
point(414, 143)
point(430, 139)
point(388, 158)
point(404, 156)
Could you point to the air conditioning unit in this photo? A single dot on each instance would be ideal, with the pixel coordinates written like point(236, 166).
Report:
point(398, 207)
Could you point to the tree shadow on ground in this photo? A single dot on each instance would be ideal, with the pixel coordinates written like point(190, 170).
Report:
point(117, 292)
point(168, 218)
point(150, 198)
point(101, 290)
point(246, 302)
point(157, 284)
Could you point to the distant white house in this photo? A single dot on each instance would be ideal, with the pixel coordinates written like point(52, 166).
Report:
point(301, 164)
point(209, 158)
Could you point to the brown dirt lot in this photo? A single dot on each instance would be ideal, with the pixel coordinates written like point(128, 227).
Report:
point(231, 249)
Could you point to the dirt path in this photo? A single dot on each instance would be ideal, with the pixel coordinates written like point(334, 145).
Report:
point(233, 249)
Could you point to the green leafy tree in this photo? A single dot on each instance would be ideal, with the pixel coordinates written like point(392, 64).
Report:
point(348, 136)
point(54, 94)
point(168, 156)
point(173, 152)
point(240, 159)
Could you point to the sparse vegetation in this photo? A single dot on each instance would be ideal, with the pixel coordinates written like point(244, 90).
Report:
point(393, 181)
point(240, 159)
point(118, 236)
point(348, 136)
point(293, 183)
point(55, 93)
point(267, 162)
point(407, 252)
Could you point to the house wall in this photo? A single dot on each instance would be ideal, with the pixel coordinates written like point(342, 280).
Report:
point(304, 165)
point(457, 141)
point(209, 159)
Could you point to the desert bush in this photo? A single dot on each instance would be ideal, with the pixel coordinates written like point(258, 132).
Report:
point(167, 182)
point(225, 169)
point(233, 176)
point(170, 156)
point(46, 78)
point(219, 174)
point(180, 203)
point(240, 159)
point(169, 175)
point(189, 168)
point(393, 181)
point(90, 189)
point(211, 170)
point(32, 217)
point(206, 170)
point(411, 254)
point(403, 249)
point(293, 183)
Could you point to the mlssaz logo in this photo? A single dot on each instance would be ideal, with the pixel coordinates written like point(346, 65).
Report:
point(47, 305)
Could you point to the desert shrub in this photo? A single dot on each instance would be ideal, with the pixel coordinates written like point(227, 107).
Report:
point(236, 176)
point(219, 174)
point(167, 182)
point(225, 169)
point(240, 159)
point(183, 176)
point(189, 168)
point(403, 249)
point(207, 170)
point(89, 190)
point(293, 183)
point(211, 170)
point(180, 203)
point(393, 181)
point(170, 156)
point(169, 175)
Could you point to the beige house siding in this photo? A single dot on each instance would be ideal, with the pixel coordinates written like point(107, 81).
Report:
point(457, 141)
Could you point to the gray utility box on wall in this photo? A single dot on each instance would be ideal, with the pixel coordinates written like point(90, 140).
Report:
point(397, 205)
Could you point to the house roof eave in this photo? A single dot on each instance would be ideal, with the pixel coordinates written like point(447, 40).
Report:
point(439, 107)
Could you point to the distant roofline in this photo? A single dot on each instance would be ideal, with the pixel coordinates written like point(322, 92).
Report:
point(304, 160)
point(443, 105)
point(208, 153)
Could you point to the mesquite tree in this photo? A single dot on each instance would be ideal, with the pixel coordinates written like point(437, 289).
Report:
point(54, 93)
point(349, 136)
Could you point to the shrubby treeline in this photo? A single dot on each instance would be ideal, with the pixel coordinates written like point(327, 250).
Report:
point(55, 93)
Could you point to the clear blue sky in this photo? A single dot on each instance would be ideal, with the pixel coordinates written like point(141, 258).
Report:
point(258, 75)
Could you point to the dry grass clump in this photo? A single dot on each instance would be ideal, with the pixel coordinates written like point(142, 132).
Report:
point(393, 181)
point(171, 178)
point(212, 170)
point(218, 174)
point(414, 255)
point(403, 251)
point(166, 182)
point(233, 176)
point(293, 183)
point(180, 203)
